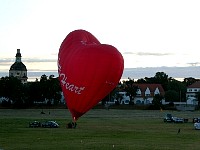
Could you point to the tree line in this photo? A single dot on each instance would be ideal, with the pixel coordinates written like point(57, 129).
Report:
point(31, 93)
point(48, 90)
point(175, 91)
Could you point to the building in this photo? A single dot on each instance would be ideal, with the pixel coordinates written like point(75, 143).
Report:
point(122, 98)
point(192, 92)
point(146, 93)
point(18, 69)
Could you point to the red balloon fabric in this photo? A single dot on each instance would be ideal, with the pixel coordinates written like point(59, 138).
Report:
point(88, 71)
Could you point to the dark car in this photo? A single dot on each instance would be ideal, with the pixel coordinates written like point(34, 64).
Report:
point(196, 120)
point(34, 124)
point(168, 118)
point(50, 124)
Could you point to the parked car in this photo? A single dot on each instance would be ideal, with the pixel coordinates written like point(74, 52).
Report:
point(197, 125)
point(170, 118)
point(50, 124)
point(34, 124)
point(178, 120)
point(196, 120)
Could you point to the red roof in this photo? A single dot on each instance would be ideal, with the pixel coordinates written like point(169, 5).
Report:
point(195, 85)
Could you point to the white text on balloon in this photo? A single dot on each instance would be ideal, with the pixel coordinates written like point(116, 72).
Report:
point(70, 87)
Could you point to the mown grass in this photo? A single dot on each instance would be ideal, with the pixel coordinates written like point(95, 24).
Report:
point(97, 129)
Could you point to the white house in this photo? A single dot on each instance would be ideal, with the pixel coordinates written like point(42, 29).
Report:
point(146, 92)
point(191, 94)
point(125, 98)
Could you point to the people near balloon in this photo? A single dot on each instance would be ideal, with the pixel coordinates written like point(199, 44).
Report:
point(71, 125)
point(88, 71)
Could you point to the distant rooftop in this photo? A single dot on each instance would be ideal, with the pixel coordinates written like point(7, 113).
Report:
point(195, 85)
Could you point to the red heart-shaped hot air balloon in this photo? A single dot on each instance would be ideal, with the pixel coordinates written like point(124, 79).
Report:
point(88, 71)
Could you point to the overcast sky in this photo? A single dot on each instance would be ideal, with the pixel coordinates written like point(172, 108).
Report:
point(148, 33)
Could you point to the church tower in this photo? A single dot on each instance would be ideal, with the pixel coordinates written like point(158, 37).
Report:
point(18, 69)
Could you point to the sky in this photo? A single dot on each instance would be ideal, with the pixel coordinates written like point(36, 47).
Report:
point(148, 33)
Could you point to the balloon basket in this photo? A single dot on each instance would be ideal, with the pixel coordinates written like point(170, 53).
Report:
point(71, 125)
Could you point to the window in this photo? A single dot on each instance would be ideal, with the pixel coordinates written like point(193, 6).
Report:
point(147, 92)
point(139, 93)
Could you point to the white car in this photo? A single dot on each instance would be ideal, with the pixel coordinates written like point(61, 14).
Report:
point(178, 120)
point(197, 125)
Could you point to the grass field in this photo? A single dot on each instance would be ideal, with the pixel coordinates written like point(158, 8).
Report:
point(99, 129)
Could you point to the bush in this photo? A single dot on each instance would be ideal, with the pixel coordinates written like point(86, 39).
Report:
point(6, 103)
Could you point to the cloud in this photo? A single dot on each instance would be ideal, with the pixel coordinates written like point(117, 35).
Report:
point(6, 63)
point(29, 60)
point(174, 72)
point(147, 54)
point(7, 60)
point(193, 63)
point(43, 70)
point(34, 60)
point(31, 64)
point(152, 54)
point(128, 53)
point(54, 54)
point(2, 64)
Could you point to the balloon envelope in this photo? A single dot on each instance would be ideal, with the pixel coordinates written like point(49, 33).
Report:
point(88, 71)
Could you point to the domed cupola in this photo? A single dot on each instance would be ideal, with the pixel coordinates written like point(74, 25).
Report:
point(18, 66)
point(18, 69)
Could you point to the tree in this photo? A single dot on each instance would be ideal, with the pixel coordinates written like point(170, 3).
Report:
point(4, 91)
point(11, 88)
point(162, 78)
point(3, 87)
point(26, 94)
point(54, 89)
point(157, 101)
point(119, 98)
point(44, 86)
point(159, 78)
point(198, 98)
point(35, 92)
point(171, 96)
point(105, 99)
point(131, 89)
point(51, 89)
point(141, 80)
point(150, 80)
point(179, 87)
point(189, 81)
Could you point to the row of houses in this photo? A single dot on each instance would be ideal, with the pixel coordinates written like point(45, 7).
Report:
point(146, 93)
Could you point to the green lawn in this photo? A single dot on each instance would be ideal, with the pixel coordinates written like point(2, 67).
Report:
point(97, 129)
